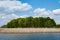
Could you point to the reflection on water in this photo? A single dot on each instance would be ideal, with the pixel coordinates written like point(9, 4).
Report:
point(36, 36)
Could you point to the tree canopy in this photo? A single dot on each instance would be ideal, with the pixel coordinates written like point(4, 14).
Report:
point(30, 22)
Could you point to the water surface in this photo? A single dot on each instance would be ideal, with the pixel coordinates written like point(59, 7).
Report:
point(35, 36)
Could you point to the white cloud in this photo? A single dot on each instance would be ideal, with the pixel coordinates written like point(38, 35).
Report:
point(4, 19)
point(9, 8)
point(15, 5)
point(42, 12)
point(57, 19)
point(56, 11)
point(9, 17)
point(24, 16)
point(1, 15)
point(39, 10)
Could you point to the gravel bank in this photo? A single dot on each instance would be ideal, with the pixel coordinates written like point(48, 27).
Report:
point(29, 30)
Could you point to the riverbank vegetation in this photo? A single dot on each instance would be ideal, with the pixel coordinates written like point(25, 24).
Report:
point(30, 22)
point(58, 25)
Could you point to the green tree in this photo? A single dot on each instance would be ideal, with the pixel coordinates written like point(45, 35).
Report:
point(37, 22)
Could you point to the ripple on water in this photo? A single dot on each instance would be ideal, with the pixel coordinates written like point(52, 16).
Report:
point(35, 36)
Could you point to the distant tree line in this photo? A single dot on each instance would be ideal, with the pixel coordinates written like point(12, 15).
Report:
point(58, 25)
point(30, 22)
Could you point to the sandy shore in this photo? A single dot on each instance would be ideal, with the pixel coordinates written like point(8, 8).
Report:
point(29, 30)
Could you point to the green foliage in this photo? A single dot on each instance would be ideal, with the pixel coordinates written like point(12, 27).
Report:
point(4, 26)
point(30, 22)
point(58, 25)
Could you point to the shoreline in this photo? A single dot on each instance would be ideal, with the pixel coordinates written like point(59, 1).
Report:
point(28, 30)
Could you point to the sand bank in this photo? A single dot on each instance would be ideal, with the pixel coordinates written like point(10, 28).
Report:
point(29, 30)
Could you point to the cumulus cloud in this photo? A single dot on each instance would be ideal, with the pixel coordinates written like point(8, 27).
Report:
point(10, 16)
point(39, 10)
point(56, 11)
point(15, 5)
point(42, 12)
point(9, 9)
point(55, 14)
point(24, 16)
point(6, 18)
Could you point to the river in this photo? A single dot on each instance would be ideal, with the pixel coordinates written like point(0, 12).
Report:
point(34, 36)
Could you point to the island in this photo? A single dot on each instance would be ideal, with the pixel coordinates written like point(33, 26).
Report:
point(30, 25)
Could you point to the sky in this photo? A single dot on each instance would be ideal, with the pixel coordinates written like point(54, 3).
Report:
point(12, 9)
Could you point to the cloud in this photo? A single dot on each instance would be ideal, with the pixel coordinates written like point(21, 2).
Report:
point(56, 17)
point(24, 16)
point(42, 12)
point(10, 6)
point(56, 11)
point(6, 18)
point(10, 16)
point(39, 10)
point(9, 9)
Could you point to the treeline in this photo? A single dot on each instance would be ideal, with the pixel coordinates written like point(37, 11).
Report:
point(30, 22)
point(58, 25)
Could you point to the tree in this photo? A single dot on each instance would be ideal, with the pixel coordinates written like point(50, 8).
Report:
point(28, 22)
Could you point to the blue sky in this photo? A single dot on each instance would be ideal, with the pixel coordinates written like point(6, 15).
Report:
point(48, 4)
point(12, 9)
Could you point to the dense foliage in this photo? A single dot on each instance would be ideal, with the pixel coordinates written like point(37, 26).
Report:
point(30, 22)
point(58, 25)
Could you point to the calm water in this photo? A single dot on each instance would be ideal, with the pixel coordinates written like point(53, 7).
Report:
point(39, 36)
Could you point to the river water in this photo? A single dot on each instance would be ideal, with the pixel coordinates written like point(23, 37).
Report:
point(34, 36)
